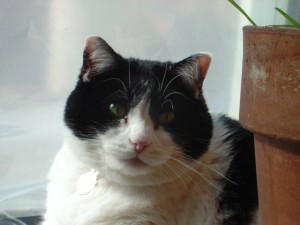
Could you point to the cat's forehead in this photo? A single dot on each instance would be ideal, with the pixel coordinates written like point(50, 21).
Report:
point(146, 75)
point(149, 69)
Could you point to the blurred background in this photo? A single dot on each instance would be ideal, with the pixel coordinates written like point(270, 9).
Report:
point(41, 45)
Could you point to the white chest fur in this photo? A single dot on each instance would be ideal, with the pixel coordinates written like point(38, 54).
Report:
point(103, 203)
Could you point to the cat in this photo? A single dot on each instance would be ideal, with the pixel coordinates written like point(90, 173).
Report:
point(141, 148)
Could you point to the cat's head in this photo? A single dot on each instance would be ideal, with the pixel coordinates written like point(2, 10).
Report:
point(137, 120)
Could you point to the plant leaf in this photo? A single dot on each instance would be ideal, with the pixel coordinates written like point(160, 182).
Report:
point(286, 16)
point(242, 11)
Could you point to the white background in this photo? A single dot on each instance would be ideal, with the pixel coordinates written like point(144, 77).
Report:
point(41, 45)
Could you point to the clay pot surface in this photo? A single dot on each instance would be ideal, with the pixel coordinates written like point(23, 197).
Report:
point(278, 179)
point(271, 82)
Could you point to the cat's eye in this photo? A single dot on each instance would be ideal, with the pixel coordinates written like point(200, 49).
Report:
point(166, 117)
point(118, 110)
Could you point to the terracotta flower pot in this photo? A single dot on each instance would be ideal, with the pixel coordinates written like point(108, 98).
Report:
point(270, 108)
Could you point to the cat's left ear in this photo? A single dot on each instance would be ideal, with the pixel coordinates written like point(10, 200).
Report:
point(98, 57)
point(193, 70)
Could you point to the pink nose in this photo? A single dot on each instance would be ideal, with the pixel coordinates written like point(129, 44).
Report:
point(140, 145)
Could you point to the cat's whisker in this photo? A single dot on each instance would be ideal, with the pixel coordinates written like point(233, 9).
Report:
point(197, 161)
point(178, 93)
point(176, 170)
point(170, 83)
point(210, 168)
point(196, 172)
point(115, 94)
point(129, 74)
point(170, 101)
point(113, 79)
point(159, 85)
point(162, 83)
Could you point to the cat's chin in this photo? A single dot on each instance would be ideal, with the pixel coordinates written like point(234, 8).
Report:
point(129, 167)
point(139, 173)
point(135, 163)
point(136, 176)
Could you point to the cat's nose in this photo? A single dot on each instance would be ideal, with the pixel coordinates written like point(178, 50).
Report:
point(140, 145)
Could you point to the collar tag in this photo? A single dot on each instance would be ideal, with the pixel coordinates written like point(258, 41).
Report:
point(86, 182)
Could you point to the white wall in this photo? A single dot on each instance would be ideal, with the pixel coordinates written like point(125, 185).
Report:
point(41, 45)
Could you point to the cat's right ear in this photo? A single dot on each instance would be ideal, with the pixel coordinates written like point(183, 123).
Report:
point(193, 70)
point(98, 57)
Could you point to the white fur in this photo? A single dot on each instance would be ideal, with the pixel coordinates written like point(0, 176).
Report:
point(165, 189)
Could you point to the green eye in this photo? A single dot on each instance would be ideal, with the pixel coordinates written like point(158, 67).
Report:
point(166, 117)
point(118, 110)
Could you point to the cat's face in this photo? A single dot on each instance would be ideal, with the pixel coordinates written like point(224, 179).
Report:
point(135, 118)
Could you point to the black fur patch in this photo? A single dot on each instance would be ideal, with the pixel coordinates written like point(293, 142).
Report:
point(240, 197)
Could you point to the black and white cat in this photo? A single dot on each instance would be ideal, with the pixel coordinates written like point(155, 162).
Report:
point(141, 148)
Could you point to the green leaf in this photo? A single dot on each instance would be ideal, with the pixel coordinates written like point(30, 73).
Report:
point(290, 19)
point(242, 11)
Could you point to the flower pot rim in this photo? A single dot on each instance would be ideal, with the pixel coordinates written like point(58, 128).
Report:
point(272, 30)
point(270, 88)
